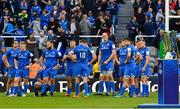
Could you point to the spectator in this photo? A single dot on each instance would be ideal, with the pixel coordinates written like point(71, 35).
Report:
point(41, 42)
point(84, 25)
point(137, 4)
point(64, 23)
point(55, 13)
point(36, 8)
point(52, 36)
point(113, 10)
point(177, 5)
point(36, 26)
point(45, 17)
point(79, 16)
point(175, 23)
point(9, 27)
point(49, 7)
point(140, 17)
point(24, 5)
point(159, 16)
point(148, 4)
point(74, 3)
point(32, 44)
point(53, 25)
point(88, 7)
point(149, 13)
point(132, 27)
point(149, 27)
point(173, 6)
point(23, 18)
point(159, 5)
point(33, 16)
point(92, 22)
point(74, 28)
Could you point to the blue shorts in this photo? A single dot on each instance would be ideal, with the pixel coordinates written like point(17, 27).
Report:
point(22, 73)
point(146, 72)
point(137, 72)
point(130, 70)
point(107, 67)
point(121, 70)
point(70, 71)
point(11, 72)
point(90, 67)
point(48, 72)
point(81, 70)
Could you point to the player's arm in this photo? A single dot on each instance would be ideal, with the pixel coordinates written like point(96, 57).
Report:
point(59, 59)
point(128, 55)
point(32, 58)
point(94, 57)
point(5, 61)
point(16, 62)
point(117, 58)
point(138, 58)
point(72, 55)
point(112, 54)
point(147, 59)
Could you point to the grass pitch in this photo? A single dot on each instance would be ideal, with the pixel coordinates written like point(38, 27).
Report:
point(61, 101)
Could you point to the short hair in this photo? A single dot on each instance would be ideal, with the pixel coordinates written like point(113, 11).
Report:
point(14, 41)
point(22, 42)
point(51, 41)
point(83, 41)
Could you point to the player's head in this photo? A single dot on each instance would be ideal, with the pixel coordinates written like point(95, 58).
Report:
point(22, 45)
point(83, 41)
point(140, 43)
point(127, 41)
point(15, 44)
point(105, 37)
point(72, 43)
point(49, 44)
point(2, 49)
point(121, 43)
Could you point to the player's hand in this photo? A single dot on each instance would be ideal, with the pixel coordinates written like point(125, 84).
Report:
point(105, 62)
point(143, 69)
point(6, 74)
point(8, 66)
point(89, 63)
point(56, 67)
point(26, 67)
point(43, 67)
point(118, 62)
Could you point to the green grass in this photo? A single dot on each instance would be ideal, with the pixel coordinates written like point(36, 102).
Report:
point(61, 101)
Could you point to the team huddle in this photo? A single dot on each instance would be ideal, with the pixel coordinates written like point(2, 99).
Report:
point(133, 64)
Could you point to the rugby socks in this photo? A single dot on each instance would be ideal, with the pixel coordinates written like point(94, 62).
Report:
point(122, 91)
point(100, 86)
point(26, 88)
point(15, 90)
point(69, 91)
point(143, 89)
point(132, 90)
point(20, 90)
point(44, 88)
point(136, 91)
point(86, 88)
point(77, 89)
point(12, 88)
point(107, 86)
point(112, 86)
point(52, 86)
point(147, 90)
point(120, 86)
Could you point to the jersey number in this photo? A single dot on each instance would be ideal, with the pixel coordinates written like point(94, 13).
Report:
point(82, 55)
